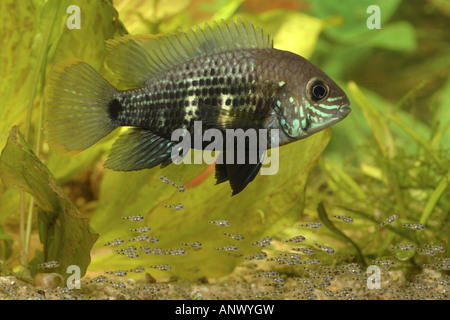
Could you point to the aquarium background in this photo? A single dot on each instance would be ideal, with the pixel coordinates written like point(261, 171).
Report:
point(390, 156)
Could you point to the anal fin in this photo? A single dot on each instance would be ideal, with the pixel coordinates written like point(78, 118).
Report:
point(221, 173)
point(239, 175)
point(138, 149)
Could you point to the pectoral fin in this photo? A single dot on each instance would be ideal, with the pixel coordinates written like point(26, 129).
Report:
point(138, 149)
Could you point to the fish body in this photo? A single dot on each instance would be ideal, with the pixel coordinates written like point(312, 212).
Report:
point(260, 84)
point(224, 76)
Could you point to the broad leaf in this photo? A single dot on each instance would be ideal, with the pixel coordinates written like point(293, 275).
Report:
point(65, 233)
point(268, 204)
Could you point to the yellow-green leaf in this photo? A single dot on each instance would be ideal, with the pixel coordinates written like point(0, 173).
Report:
point(267, 205)
point(65, 233)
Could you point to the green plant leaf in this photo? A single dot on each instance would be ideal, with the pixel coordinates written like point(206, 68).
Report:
point(443, 113)
point(65, 233)
point(25, 25)
point(297, 32)
point(375, 121)
point(399, 36)
point(5, 246)
point(330, 225)
point(292, 31)
point(403, 255)
point(17, 30)
point(354, 16)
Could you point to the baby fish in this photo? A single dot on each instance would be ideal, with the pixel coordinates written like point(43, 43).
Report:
point(235, 236)
point(286, 259)
point(426, 252)
point(177, 206)
point(162, 267)
point(152, 239)
point(304, 250)
point(414, 226)
point(228, 248)
point(226, 75)
point(181, 187)
point(98, 279)
point(257, 256)
point(142, 237)
point(141, 229)
point(114, 242)
point(137, 270)
point(170, 183)
point(434, 247)
point(352, 267)
point(444, 260)
point(384, 262)
point(176, 252)
point(194, 244)
point(388, 220)
point(155, 251)
point(325, 248)
point(296, 239)
point(265, 274)
point(220, 223)
point(134, 218)
point(403, 247)
point(312, 225)
point(118, 285)
point(290, 255)
point(132, 255)
point(130, 252)
point(344, 218)
point(119, 273)
point(264, 242)
point(49, 265)
point(312, 261)
point(126, 249)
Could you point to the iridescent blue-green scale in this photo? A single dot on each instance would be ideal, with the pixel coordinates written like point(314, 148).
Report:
point(191, 92)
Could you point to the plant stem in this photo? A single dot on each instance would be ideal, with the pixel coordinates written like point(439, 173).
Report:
point(434, 198)
point(39, 74)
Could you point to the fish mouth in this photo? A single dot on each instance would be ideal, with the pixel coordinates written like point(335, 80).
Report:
point(343, 111)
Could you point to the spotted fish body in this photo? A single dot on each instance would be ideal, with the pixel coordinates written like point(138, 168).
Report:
point(228, 76)
point(247, 82)
point(229, 81)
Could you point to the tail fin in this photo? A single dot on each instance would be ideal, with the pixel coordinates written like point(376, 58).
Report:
point(77, 107)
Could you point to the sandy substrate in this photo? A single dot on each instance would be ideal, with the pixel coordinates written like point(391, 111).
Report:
point(319, 284)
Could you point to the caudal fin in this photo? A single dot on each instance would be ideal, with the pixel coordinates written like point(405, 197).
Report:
point(77, 100)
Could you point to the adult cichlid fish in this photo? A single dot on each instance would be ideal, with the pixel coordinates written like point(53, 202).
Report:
point(226, 75)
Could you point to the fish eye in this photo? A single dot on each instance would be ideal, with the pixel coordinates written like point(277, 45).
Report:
point(318, 90)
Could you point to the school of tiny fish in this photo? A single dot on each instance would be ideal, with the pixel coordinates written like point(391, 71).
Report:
point(314, 280)
point(212, 79)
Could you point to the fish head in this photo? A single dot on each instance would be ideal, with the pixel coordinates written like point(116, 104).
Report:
point(323, 104)
point(314, 103)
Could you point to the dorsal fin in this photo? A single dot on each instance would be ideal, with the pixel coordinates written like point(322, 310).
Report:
point(137, 59)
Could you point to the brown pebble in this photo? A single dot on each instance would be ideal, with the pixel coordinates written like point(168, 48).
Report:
point(148, 278)
point(48, 280)
point(203, 280)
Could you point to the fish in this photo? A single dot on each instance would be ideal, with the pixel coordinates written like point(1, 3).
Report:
point(225, 75)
